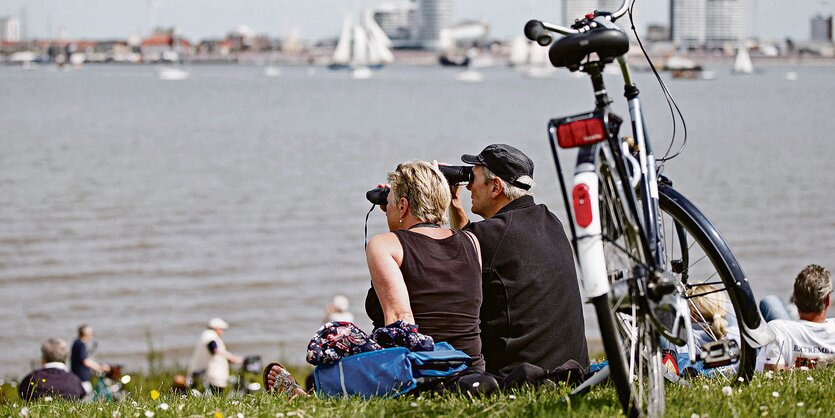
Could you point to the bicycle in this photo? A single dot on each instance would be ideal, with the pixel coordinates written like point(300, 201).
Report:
point(640, 245)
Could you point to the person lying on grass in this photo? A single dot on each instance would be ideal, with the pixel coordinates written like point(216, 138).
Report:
point(810, 341)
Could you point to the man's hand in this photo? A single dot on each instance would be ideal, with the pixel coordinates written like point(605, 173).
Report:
point(457, 215)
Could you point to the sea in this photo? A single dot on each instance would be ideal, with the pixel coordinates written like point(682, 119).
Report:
point(145, 207)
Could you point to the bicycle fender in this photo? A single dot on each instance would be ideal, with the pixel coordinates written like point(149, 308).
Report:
point(589, 241)
point(754, 329)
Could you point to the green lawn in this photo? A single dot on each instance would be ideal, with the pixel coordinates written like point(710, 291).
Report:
point(788, 394)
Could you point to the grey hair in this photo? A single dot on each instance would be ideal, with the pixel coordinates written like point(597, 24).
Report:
point(812, 288)
point(510, 191)
point(54, 350)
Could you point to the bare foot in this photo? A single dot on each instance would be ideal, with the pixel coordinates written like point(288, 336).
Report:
point(278, 380)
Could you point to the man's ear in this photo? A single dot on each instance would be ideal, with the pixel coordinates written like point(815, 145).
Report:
point(496, 188)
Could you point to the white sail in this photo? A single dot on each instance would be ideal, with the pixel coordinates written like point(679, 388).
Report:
point(378, 43)
point(539, 56)
point(519, 51)
point(342, 53)
point(539, 65)
point(742, 64)
point(360, 57)
point(374, 55)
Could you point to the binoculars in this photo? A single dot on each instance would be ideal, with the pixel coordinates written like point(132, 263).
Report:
point(455, 174)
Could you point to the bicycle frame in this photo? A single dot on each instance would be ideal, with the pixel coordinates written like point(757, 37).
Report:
point(589, 244)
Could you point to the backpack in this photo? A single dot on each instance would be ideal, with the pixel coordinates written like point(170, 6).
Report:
point(389, 372)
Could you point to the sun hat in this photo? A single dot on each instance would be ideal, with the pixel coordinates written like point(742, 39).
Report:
point(217, 323)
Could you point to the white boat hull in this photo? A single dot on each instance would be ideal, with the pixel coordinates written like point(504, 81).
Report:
point(172, 74)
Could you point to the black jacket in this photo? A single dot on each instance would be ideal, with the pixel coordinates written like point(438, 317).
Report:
point(50, 382)
point(532, 310)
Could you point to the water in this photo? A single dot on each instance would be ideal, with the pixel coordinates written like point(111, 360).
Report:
point(146, 207)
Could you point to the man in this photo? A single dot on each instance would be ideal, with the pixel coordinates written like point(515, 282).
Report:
point(53, 379)
point(810, 341)
point(210, 360)
point(532, 309)
point(81, 362)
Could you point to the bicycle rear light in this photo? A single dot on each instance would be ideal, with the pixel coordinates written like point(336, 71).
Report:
point(582, 205)
point(580, 130)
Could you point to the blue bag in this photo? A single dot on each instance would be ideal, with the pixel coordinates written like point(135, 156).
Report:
point(390, 372)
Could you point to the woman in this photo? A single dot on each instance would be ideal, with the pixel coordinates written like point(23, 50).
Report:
point(709, 310)
point(421, 272)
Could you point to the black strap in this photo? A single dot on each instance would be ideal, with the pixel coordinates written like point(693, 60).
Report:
point(424, 225)
point(366, 224)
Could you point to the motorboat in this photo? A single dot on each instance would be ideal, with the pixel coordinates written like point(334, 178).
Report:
point(172, 73)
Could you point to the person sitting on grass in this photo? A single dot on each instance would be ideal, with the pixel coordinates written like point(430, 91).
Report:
point(423, 274)
point(810, 341)
point(54, 379)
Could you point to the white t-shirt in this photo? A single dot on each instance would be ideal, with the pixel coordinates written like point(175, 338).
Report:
point(215, 365)
point(799, 343)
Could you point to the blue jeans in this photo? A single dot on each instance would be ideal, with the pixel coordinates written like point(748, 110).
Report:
point(773, 308)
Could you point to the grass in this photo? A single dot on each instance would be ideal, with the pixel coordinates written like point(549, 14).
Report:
point(788, 394)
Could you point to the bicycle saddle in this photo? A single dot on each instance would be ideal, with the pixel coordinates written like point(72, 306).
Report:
point(570, 51)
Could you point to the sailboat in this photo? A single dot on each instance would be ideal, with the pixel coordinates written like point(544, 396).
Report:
point(539, 65)
point(742, 64)
point(519, 50)
point(361, 47)
point(531, 59)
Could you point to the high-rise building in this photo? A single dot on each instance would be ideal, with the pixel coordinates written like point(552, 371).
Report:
point(399, 21)
point(433, 15)
point(576, 9)
point(10, 29)
point(821, 28)
point(688, 22)
point(708, 23)
point(726, 23)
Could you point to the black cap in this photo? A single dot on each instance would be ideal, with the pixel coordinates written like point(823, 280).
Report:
point(508, 163)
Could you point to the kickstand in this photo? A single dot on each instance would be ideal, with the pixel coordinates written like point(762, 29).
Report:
point(603, 374)
point(596, 378)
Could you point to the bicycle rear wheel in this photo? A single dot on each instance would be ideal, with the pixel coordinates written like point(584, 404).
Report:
point(700, 260)
point(696, 256)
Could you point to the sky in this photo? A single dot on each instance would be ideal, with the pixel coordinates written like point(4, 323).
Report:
point(316, 19)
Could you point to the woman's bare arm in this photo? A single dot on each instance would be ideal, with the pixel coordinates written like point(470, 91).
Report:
point(384, 255)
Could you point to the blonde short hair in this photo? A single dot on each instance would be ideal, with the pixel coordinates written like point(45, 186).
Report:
point(710, 305)
point(424, 187)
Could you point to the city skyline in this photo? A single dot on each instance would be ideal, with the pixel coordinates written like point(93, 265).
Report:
point(316, 19)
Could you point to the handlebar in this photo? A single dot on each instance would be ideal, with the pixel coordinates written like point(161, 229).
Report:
point(537, 30)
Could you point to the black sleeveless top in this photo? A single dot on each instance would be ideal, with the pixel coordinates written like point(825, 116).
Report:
point(443, 278)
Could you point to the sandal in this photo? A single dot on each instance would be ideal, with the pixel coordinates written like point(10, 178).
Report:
point(284, 381)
